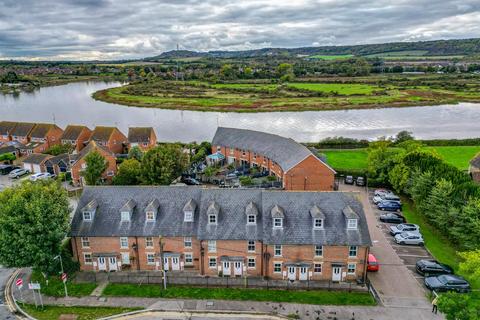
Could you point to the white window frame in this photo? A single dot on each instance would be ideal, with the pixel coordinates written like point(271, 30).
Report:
point(315, 223)
point(210, 259)
point(249, 260)
point(275, 220)
point(354, 268)
point(122, 239)
point(321, 267)
point(352, 249)
point(275, 248)
point(187, 242)
point(124, 216)
point(276, 263)
point(254, 219)
point(188, 216)
point(149, 240)
point(352, 224)
point(316, 248)
point(110, 173)
point(85, 214)
point(85, 242)
point(212, 245)
point(152, 218)
point(150, 254)
point(251, 243)
point(188, 254)
point(85, 254)
point(123, 255)
point(212, 221)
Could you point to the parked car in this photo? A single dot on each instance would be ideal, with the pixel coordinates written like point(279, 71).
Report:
point(17, 173)
point(349, 180)
point(231, 176)
point(386, 197)
point(447, 282)
point(6, 169)
point(392, 217)
point(360, 181)
point(191, 181)
point(41, 176)
point(379, 192)
point(432, 267)
point(404, 227)
point(413, 238)
point(372, 263)
point(389, 206)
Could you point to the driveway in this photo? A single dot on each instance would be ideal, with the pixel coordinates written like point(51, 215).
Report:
point(395, 283)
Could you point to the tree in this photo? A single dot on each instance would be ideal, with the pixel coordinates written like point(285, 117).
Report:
point(7, 157)
point(34, 219)
point(96, 165)
point(471, 261)
point(227, 71)
point(128, 173)
point(163, 164)
point(466, 229)
point(285, 72)
point(57, 149)
point(135, 153)
point(403, 136)
point(381, 160)
point(456, 306)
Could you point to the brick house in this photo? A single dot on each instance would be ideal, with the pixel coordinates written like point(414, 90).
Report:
point(42, 137)
point(111, 138)
point(35, 162)
point(77, 136)
point(142, 137)
point(78, 163)
point(58, 164)
point(21, 132)
point(291, 162)
point(474, 168)
point(6, 128)
point(282, 235)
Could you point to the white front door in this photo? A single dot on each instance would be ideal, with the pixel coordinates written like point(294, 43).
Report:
point(125, 258)
point(292, 273)
point(337, 274)
point(102, 265)
point(226, 268)
point(165, 264)
point(237, 268)
point(112, 264)
point(175, 263)
point(303, 273)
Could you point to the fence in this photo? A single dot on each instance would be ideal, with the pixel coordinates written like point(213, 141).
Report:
point(192, 280)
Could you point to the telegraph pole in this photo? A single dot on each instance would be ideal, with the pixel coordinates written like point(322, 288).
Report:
point(162, 266)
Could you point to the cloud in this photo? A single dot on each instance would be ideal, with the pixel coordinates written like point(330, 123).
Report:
point(118, 29)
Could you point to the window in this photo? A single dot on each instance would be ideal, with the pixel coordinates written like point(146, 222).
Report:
point(85, 242)
point(351, 268)
point(125, 216)
point(212, 262)
point(251, 263)
point(87, 258)
point(188, 217)
point(123, 242)
point(188, 258)
point(352, 251)
point(352, 224)
point(149, 242)
point(212, 246)
point(150, 216)
point(318, 223)
point(251, 219)
point(187, 242)
point(277, 250)
point(110, 173)
point(277, 222)
point(150, 258)
point(125, 258)
point(318, 251)
point(219, 148)
point(317, 268)
point(84, 166)
point(251, 246)
point(277, 267)
point(87, 215)
point(212, 219)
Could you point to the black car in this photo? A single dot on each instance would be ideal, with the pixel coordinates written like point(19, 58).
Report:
point(392, 218)
point(432, 267)
point(349, 180)
point(191, 181)
point(6, 169)
point(447, 282)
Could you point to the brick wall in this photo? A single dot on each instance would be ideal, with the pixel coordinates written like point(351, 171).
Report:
point(112, 167)
point(310, 174)
point(116, 142)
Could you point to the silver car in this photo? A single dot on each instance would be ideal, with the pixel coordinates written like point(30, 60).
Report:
point(17, 173)
point(404, 227)
point(409, 238)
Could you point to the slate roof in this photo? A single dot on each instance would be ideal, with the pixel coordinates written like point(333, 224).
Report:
point(90, 147)
point(7, 149)
point(231, 223)
point(284, 151)
point(139, 134)
point(41, 129)
point(102, 133)
point(475, 162)
point(57, 159)
point(22, 129)
point(6, 127)
point(36, 158)
point(72, 132)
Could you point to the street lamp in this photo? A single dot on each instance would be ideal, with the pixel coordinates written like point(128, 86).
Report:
point(64, 281)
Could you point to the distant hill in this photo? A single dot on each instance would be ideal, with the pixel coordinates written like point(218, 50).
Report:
point(460, 47)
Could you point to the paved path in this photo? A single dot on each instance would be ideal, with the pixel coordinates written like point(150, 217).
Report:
point(4, 311)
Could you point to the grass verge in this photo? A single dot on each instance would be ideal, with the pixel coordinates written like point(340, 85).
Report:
point(55, 286)
point(83, 313)
point(305, 297)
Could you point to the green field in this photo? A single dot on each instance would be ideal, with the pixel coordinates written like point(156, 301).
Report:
point(55, 286)
point(83, 313)
point(332, 57)
point(340, 88)
point(356, 159)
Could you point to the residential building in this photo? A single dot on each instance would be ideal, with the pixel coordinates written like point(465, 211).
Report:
point(77, 136)
point(35, 162)
point(42, 137)
point(284, 235)
point(474, 168)
point(6, 128)
point(58, 164)
point(111, 138)
point(79, 164)
point(21, 132)
point(142, 137)
point(291, 162)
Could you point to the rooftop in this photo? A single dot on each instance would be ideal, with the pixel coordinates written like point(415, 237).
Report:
point(22, 129)
point(102, 133)
point(140, 134)
point(36, 158)
point(72, 132)
point(6, 127)
point(41, 129)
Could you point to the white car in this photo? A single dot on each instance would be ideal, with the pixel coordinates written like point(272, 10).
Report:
point(41, 176)
point(17, 173)
point(409, 238)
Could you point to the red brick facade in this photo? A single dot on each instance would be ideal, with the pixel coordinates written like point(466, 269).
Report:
point(80, 165)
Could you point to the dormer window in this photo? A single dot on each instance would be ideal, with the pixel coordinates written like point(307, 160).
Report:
point(150, 216)
point(212, 219)
point(351, 218)
point(213, 211)
point(88, 212)
point(126, 211)
point(87, 216)
point(189, 210)
point(125, 216)
point(151, 211)
point(251, 219)
point(318, 223)
point(278, 214)
point(251, 211)
point(318, 217)
point(352, 224)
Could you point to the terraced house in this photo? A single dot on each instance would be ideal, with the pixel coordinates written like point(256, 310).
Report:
point(291, 162)
point(287, 235)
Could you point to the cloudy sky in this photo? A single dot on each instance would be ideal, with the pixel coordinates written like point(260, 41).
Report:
point(113, 29)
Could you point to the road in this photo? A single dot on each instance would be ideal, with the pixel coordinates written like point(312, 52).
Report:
point(4, 311)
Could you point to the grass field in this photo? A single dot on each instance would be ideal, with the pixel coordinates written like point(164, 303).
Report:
point(55, 286)
point(83, 313)
point(307, 297)
point(340, 88)
point(356, 159)
point(332, 57)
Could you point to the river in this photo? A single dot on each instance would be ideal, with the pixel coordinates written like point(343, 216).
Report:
point(72, 104)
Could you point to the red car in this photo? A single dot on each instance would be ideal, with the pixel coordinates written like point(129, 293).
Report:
point(372, 264)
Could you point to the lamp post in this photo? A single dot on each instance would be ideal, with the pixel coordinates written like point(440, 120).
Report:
point(64, 281)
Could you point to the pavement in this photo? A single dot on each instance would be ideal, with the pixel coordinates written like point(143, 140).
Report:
point(4, 311)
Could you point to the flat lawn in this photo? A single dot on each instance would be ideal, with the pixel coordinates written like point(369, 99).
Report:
point(55, 286)
point(306, 297)
point(459, 156)
point(340, 88)
point(332, 57)
point(83, 313)
point(345, 160)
